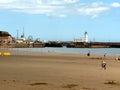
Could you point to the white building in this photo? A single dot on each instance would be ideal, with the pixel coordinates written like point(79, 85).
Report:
point(20, 40)
point(84, 39)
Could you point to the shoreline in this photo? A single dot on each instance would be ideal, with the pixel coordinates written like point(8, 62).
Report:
point(51, 53)
point(108, 51)
point(96, 51)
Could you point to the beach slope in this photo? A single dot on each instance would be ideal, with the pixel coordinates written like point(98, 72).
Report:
point(58, 72)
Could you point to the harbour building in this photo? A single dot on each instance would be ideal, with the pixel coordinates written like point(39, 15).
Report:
point(5, 37)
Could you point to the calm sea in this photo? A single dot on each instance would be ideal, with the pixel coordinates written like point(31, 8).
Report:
point(110, 51)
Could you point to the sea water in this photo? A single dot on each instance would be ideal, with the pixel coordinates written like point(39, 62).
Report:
point(110, 51)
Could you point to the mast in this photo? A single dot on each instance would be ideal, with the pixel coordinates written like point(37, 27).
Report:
point(17, 34)
point(23, 35)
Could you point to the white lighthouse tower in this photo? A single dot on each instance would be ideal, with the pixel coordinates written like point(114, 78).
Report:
point(86, 37)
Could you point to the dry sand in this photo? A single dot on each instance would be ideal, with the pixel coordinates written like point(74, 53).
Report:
point(57, 71)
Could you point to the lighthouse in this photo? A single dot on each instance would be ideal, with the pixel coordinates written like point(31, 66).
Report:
point(86, 37)
point(83, 39)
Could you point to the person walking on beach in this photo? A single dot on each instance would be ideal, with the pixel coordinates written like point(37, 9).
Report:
point(104, 55)
point(103, 65)
point(88, 54)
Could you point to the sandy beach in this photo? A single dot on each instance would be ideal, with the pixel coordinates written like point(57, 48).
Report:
point(58, 71)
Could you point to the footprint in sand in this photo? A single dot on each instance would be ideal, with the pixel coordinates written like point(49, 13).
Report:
point(112, 82)
point(69, 86)
point(38, 83)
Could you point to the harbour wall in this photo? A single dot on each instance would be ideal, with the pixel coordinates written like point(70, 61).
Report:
point(64, 44)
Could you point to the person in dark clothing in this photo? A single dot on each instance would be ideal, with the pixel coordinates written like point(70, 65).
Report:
point(104, 55)
point(88, 54)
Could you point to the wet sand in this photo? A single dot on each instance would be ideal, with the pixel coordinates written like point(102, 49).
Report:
point(58, 71)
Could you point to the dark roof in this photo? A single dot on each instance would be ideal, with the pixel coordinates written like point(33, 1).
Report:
point(4, 33)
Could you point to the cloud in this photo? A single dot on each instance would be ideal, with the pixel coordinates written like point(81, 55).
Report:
point(93, 11)
point(59, 8)
point(6, 1)
point(115, 4)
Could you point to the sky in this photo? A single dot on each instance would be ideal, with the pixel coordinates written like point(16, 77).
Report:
point(62, 20)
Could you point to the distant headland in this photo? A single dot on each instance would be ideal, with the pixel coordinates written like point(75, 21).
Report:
point(7, 41)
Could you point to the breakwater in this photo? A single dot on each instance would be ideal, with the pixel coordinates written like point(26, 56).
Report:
point(64, 44)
